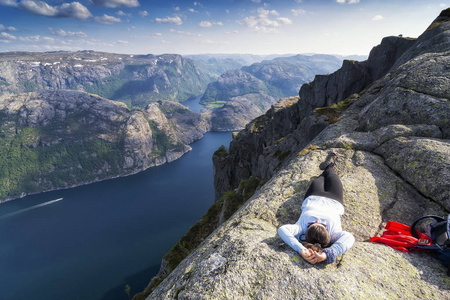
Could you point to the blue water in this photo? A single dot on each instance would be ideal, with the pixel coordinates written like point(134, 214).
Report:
point(194, 105)
point(104, 235)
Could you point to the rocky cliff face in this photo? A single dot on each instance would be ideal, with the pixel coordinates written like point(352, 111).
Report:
point(261, 148)
point(59, 139)
point(136, 80)
point(393, 147)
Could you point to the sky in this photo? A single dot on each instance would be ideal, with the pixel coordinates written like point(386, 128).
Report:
point(344, 27)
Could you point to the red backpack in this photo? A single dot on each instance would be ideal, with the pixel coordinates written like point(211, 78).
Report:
point(398, 236)
point(408, 239)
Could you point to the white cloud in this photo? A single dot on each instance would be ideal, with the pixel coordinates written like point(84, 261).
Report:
point(122, 14)
point(143, 13)
point(172, 20)
point(298, 12)
point(184, 33)
point(378, 18)
point(347, 1)
point(7, 28)
point(209, 24)
point(9, 3)
point(107, 20)
point(66, 10)
point(48, 39)
point(116, 3)
point(5, 35)
point(38, 8)
point(192, 10)
point(64, 33)
point(256, 1)
point(73, 10)
point(205, 24)
point(284, 20)
point(31, 39)
point(263, 22)
point(123, 42)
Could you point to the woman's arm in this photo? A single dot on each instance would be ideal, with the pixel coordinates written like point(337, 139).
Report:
point(289, 234)
point(345, 241)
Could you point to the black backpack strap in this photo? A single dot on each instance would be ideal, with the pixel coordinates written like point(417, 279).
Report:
point(413, 231)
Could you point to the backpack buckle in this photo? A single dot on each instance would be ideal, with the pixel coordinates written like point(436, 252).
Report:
point(423, 241)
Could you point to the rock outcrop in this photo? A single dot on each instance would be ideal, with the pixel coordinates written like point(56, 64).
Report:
point(393, 158)
point(59, 139)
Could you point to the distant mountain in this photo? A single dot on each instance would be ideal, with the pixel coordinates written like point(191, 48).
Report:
point(215, 66)
point(60, 139)
point(242, 59)
point(353, 57)
point(135, 80)
point(258, 86)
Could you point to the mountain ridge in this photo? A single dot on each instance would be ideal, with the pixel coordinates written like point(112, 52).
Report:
point(135, 80)
point(241, 95)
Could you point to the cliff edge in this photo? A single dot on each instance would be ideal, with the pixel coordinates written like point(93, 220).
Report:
point(393, 143)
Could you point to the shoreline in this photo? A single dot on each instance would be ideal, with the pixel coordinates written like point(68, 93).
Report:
point(23, 195)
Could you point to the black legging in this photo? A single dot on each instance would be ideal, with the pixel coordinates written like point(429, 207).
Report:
point(327, 185)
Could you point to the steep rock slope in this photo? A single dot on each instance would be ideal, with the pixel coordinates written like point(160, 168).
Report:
point(58, 139)
point(136, 80)
point(393, 146)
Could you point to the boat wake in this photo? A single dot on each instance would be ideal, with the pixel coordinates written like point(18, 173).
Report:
point(29, 208)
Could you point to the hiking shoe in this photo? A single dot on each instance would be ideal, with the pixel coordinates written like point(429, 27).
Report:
point(329, 161)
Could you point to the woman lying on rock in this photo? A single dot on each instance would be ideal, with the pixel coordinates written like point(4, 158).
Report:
point(319, 225)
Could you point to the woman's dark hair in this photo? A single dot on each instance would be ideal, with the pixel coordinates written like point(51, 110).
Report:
point(313, 247)
point(318, 234)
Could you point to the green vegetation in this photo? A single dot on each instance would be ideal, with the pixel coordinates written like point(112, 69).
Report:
point(28, 164)
point(30, 86)
point(282, 155)
point(308, 149)
point(127, 290)
point(163, 141)
point(443, 17)
point(170, 111)
point(334, 111)
point(215, 104)
point(226, 206)
point(221, 152)
point(217, 94)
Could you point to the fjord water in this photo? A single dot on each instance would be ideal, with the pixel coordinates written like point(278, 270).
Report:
point(104, 235)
